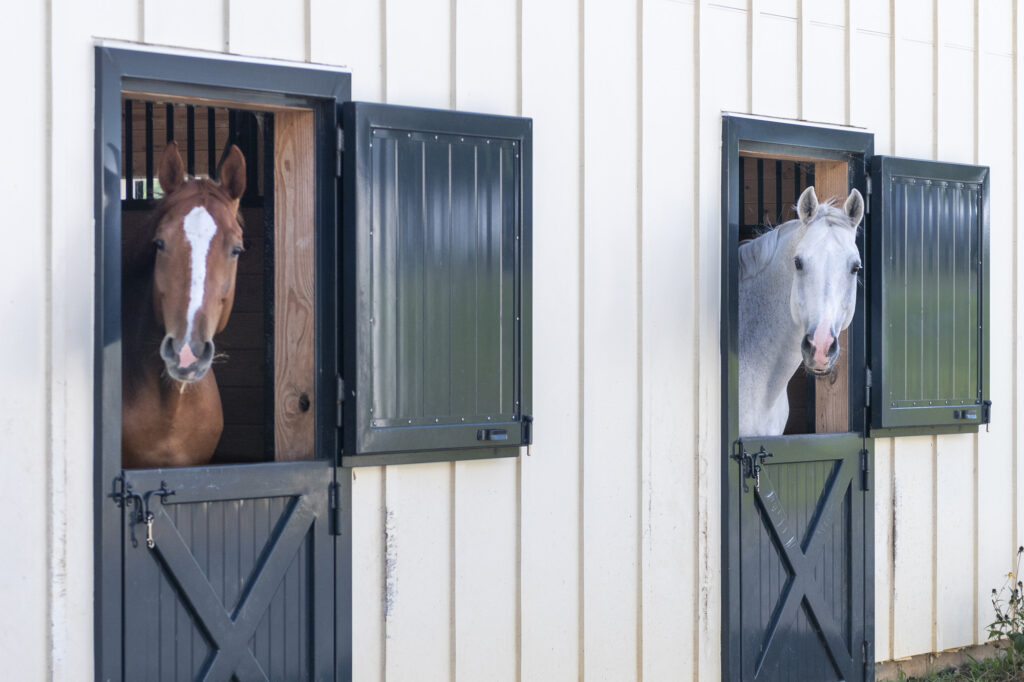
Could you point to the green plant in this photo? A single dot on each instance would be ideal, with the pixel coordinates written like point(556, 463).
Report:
point(1008, 602)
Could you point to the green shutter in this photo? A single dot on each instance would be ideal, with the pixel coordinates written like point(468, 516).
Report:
point(928, 278)
point(436, 250)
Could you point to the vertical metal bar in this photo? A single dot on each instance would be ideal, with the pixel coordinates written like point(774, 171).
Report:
point(268, 287)
point(232, 127)
point(211, 141)
point(742, 193)
point(129, 151)
point(810, 175)
point(778, 192)
point(252, 167)
point(149, 150)
point(190, 138)
point(797, 181)
point(760, 191)
point(170, 123)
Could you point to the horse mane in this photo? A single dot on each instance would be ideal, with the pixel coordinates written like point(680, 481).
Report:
point(755, 255)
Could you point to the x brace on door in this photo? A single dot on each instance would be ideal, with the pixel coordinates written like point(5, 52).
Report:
point(230, 632)
point(801, 565)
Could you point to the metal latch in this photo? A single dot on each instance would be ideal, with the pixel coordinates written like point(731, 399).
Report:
point(492, 434)
point(751, 465)
point(143, 513)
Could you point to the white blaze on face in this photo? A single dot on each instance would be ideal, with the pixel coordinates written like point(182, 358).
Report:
point(199, 230)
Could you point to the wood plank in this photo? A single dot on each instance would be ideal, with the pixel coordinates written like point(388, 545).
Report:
point(268, 28)
point(31, 395)
point(998, 453)
point(419, 589)
point(188, 23)
point(956, 607)
point(294, 290)
point(351, 33)
point(913, 546)
point(611, 475)
point(669, 482)
point(551, 551)
point(883, 548)
point(777, 52)
point(486, 495)
point(723, 80)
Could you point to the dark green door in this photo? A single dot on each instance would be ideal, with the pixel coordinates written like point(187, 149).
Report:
point(803, 549)
point(229, 573)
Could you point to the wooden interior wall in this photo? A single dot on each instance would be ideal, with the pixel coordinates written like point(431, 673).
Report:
point(294, 285)
point(832, 392)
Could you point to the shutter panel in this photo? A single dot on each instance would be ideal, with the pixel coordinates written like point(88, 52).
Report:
point(929, 293)
point(436, 252)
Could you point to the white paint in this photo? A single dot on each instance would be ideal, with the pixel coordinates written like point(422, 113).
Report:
point(917, 98)
point(199, 228)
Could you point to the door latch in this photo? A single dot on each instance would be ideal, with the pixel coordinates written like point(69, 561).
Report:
point(750, 465)
point(143, 513)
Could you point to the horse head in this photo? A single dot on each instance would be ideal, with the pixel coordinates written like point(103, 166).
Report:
point(198, 239)
point(826, 264)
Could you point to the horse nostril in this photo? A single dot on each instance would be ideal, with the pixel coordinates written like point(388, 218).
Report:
point(167, 348)
point(834, 348)
point(208, 351)
point(808, 343)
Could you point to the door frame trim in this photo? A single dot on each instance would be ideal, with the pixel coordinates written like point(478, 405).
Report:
point(799, 139)
point(267, 84)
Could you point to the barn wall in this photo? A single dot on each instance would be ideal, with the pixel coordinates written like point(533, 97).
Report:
point(598, 556)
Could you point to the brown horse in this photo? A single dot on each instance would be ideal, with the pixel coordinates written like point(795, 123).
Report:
point(176, 294)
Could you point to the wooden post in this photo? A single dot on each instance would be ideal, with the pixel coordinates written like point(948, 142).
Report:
point(294, 286)
point(832, 392)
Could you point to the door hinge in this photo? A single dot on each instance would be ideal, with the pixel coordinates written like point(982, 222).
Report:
point(341, 400)
point(866, 654)
point(986, 411)
point(865, 470)
point(334, 501)
point(340, 151)
point(867, 387)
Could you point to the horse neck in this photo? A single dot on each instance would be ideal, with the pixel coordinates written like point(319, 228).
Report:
point(140, 332)
point(769, 337)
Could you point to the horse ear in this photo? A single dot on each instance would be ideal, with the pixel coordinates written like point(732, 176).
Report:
point(854, 207)
point(232, 173)
point(807, 204)
point(172, 169)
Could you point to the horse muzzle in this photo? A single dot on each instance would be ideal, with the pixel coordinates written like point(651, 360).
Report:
point(820, 354)
point(182, 362)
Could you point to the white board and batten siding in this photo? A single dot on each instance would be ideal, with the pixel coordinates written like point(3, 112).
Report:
point(598, 557)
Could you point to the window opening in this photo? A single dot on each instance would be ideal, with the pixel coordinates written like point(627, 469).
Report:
point(770, 185)
point(264, 358)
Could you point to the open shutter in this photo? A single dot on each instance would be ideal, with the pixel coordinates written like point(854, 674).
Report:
point(929, 294)
point(436, 260)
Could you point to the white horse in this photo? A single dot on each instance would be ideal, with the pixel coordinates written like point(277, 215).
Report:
point(797, 291)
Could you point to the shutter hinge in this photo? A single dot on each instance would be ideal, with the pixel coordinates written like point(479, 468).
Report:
point(340, 151)
point(867, 387)
point(341, 399)
point(334, 493)
point(986, 411)
point(867, 199)
point(865, 470)
point(866, 654)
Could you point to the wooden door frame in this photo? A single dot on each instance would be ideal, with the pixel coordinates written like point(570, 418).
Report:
point(778, 138)
point(262, 84)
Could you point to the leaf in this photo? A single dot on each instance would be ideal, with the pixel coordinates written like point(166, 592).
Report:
point(1018, 641)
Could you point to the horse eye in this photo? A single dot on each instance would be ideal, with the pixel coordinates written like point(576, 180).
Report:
point(856, 268)
point(236, 251)
point(799, 263)
point(159, 244)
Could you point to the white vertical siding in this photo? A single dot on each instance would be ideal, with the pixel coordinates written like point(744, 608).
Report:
point(599, 556)
point(23, 301)
point(551, 507)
